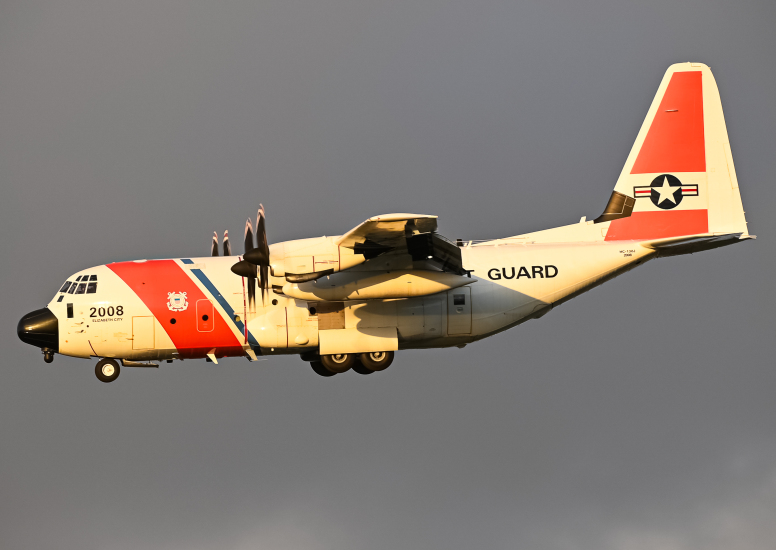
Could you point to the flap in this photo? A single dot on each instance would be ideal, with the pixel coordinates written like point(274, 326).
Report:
point(388, 230)
point(358, 340)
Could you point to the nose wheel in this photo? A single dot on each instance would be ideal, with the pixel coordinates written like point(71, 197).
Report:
point(48, 355)
point(107, 370)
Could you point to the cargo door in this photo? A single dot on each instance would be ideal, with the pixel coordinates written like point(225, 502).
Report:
point(205, 321)
point(143, 332)
point(459, 311)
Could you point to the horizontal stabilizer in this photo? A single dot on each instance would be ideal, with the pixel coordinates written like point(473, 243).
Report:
point(695, 243)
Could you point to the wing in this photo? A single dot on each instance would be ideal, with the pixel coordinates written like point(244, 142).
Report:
point(388, 230)
point(414, 234)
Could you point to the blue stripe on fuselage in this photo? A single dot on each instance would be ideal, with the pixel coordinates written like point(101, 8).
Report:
point(224, 304)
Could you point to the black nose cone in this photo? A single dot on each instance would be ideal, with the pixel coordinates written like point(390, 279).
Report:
point(39, 328)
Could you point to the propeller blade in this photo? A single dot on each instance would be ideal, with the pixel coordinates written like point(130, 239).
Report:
point(263, 280)
point(262, 250)
point(249, 243)
point(227, 245)
point(251, 294)
point(261, 232)
point(214, 245)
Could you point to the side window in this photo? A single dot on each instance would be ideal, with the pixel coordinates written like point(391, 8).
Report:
point(65, 287)
point(459, 299)
point(72, 288)
point(69, 311)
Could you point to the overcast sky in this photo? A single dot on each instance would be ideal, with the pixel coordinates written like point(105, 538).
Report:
point(641, 415)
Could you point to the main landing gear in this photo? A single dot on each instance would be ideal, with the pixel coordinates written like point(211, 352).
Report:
point(364, 363)
point(107, 370)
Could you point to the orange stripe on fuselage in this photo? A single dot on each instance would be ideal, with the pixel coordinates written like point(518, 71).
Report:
point(641, 226)
point(152, 281)
point(675, 141)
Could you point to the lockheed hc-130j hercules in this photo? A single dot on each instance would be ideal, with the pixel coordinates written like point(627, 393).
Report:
point(391, 283)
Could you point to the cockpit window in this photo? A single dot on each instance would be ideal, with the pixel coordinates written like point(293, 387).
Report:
point(84, 284)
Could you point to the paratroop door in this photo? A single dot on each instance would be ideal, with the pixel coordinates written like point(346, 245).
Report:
point(459, 311)
point(205, 316)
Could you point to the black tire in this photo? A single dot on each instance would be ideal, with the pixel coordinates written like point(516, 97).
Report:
point(107, 370)
point(377, 360)
point(360, 368)
point(338, 363)
point(320, 370)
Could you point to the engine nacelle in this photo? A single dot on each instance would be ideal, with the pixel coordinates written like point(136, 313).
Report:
point(307, 256)
point(378, 286)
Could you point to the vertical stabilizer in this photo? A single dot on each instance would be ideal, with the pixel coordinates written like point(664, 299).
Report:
point(679, 178)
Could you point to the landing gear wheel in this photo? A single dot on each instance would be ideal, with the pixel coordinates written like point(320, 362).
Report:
point(107, 370)
point(48, 355)
point(320, 370)
point(360, 368)
point(377, 360)
point(338, 363)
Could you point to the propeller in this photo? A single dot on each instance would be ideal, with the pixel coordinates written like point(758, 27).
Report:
point(249, 270)
point(214, 245)
point(227, 246)
point(260, 255)
point(255, 263)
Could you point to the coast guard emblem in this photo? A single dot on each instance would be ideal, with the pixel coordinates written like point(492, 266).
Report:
point(177, 301)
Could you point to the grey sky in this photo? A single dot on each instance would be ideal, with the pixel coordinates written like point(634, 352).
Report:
point(638, 416)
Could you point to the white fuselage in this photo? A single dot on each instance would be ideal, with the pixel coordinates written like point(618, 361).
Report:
point(139, 311)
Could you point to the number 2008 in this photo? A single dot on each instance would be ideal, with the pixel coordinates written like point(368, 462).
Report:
point(110, 311)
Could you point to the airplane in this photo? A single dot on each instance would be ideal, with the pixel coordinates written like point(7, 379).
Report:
point(392, 283)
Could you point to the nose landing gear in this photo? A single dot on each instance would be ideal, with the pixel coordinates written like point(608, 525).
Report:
point(48, 355)
point(107, 370)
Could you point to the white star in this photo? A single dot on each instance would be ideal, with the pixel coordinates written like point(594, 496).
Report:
point(666, 191)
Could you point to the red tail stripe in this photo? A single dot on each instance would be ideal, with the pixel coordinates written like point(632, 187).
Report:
point(675, 140)
point(641, 226)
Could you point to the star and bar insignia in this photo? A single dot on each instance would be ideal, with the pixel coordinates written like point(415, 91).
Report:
point(666, 191)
